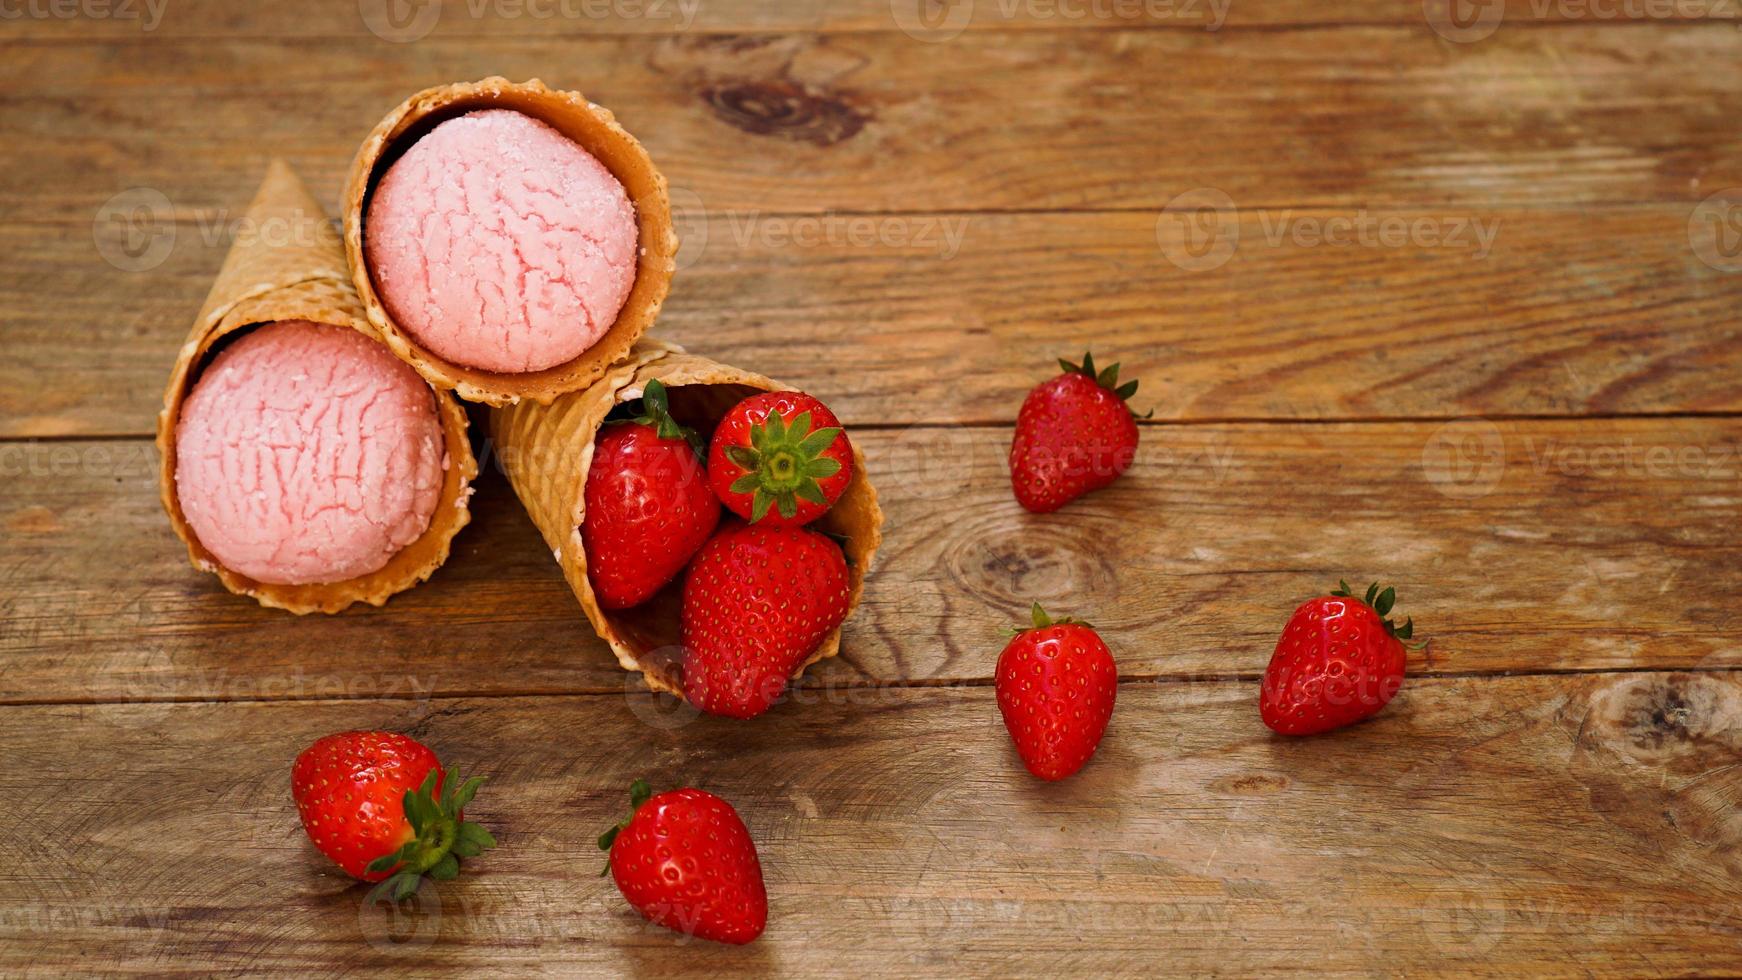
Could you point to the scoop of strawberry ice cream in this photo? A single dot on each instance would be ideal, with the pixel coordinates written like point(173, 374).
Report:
point(501, 244)
point(307, 453)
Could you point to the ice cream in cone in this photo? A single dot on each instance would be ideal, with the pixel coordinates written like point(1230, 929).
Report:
point(300, 463)
point(509, 241)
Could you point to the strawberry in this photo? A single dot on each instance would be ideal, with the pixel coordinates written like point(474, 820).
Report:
point(379, 805)
point(779, 457)
point(648, 504)
point(756, 601)
point(1056, 683)
point(685, 861)
point(1339, 660)
point(1074, 434)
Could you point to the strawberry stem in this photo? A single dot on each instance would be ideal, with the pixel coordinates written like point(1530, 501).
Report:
point(1381, 601)
point(654, 410)
point(784, 464)
point(439, 837)
point(1042, 620)
point(1107, 378)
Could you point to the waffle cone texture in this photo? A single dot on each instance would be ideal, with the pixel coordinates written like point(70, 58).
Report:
point(547, 451)
point(596, 130)
point(290, 265)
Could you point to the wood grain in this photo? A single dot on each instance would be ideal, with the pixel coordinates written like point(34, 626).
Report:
point(1362, 117)
point(1523, 546)
point(135, 20)
point(952, 317)
point(1500, 825)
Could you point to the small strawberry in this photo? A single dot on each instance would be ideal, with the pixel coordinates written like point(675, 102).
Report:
point(648, 504)
point(1056, 683)
point(1074, 434)
point(1339, 660)
point(685, 861)
point(779, 457)
point(757, 600)
point(379, 805)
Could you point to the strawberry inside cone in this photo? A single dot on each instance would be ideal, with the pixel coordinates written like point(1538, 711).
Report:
point(649, 507)
point(780, 458)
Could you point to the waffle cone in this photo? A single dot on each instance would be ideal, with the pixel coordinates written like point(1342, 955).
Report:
point(597, 131)
point(548, 449)
point(289, 264)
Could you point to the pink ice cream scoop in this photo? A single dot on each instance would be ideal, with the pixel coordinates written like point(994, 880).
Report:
point(307, 453)
point(501, 244)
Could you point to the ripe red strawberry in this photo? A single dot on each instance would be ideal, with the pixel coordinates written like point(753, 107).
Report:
point(685, 861)
point(379, 805)
point(1339, 660)
point(756, 601)
point(1056, 683)
point(648, 504)
point(779, 457)
point(1074, 434)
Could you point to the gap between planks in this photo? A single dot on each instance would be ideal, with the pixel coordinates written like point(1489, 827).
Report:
point(1149, 27)
point(908, 684)
point(1253, 420)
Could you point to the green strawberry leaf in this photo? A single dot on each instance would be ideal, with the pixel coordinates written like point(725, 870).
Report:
point(472, 833)
point(467, 790)
point(447, 869)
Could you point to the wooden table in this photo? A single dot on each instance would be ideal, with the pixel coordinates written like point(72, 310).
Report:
point(1451, 302)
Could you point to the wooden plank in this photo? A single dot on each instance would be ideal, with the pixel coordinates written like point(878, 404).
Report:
point(1523, 546)
point(929, 20)
point(951, 317)
point(1366, 117)
point(1498, 825)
